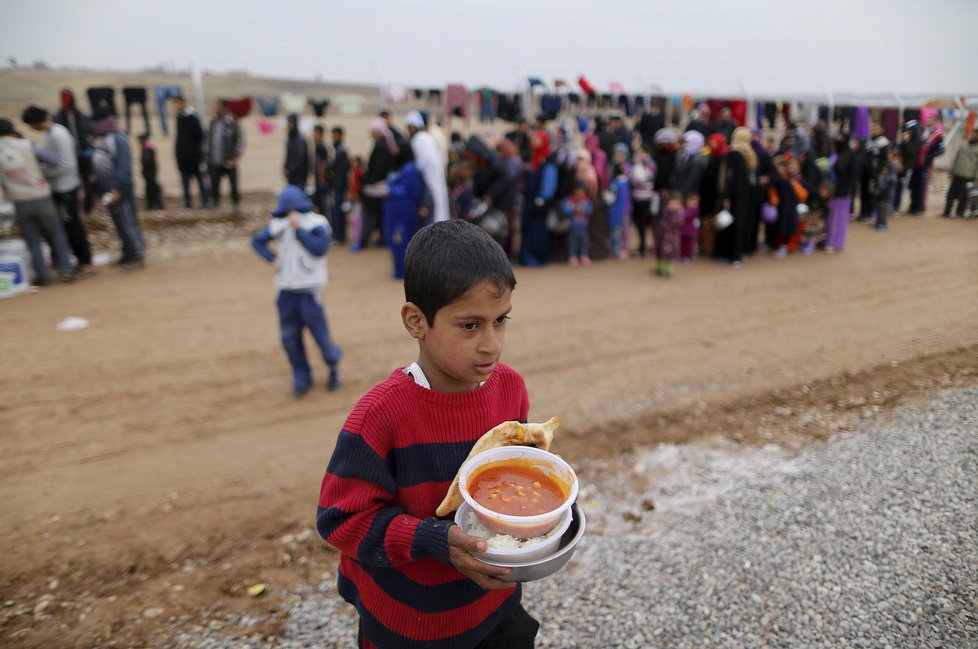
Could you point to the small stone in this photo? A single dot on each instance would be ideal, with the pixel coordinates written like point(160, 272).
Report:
point(150, 613)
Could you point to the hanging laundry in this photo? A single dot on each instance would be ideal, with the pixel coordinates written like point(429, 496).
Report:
point(102, 95)
point(164, 94)
point(418, 93)
point(607, 100)
point(639, 102)
point(292, 103)
point(738, 110)
point(456, 101)
point(487, 105)
point(136, 96)
point(265, 126)
point(583, 123)
point(860, 127)
point(759, 115)
point(573, 99)
point(823, 113)
point(687, 101)
point(616, 88)
point(536, 81)
point(592, 101)
point(267, 106)
point(319, 107)
point(560, 83)
point(550, 106)
point(434, 96)
point(771, 113)
point(240, 108)
point(585, 86)
point(890, 121)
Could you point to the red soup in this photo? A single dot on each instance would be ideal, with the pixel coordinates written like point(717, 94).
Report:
point(515, 487)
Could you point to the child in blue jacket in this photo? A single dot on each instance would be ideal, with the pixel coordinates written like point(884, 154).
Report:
point(302, 239)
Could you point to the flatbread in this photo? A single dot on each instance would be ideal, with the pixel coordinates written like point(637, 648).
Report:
point(508, 433)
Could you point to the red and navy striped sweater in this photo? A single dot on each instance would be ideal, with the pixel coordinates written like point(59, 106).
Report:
point(394, 461)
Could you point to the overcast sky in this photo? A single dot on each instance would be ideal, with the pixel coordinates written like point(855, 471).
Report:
point(697, 45)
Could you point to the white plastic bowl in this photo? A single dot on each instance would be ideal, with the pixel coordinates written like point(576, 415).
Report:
point(544, 567)
point(532, 548)
point(523, 527)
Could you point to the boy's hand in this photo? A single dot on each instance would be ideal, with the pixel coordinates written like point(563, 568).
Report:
point(294, 220)
point(459, 546)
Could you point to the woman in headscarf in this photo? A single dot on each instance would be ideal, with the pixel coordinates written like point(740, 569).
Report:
point(510, 155)
point(691, 164)
point(539, 190)
point(711, 191)
point(765, 171)
point(738, 191)
point(665, 155)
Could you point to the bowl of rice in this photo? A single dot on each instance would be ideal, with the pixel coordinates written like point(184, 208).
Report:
point(506, 548)
point(533, 569)
point(519, 491)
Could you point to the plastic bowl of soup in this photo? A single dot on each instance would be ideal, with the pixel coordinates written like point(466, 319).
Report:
point(521, 491)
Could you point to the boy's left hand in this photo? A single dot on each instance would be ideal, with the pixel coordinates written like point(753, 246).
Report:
point(460, 545)
point(294, 220)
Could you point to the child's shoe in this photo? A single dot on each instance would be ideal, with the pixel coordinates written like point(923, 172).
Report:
point(299, 392)
point(335, 381)
point(586, 260)
point(623, 254)
point(782, 252)
point(572, 261)
point(685, 260)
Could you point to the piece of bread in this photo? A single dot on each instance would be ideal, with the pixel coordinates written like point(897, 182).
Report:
point(508, 433)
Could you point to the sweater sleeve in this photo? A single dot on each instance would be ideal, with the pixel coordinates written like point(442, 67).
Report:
point(315, 240)
point(260, 244)
point(358, 516)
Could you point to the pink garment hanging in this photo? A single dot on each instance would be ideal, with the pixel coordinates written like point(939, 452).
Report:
point(240, 108)
point(456, 101)
point(265, 126)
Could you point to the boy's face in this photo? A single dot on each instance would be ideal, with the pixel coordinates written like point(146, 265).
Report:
point(461, 349)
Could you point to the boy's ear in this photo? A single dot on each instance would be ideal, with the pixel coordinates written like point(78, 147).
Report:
point(414, 320)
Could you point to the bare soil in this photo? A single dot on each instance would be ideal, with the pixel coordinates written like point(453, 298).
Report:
point(153, 465)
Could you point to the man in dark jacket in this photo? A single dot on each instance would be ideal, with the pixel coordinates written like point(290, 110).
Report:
point(650, 123)
point(225, 144)
point(79, 125)
point(189, 149)
point(338, 172)
point(296, 167)
point(382, 161)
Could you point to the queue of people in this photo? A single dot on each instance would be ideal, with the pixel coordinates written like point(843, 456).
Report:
point(594, 188)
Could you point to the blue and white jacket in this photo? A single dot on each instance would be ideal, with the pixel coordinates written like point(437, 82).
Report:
point(301, 253)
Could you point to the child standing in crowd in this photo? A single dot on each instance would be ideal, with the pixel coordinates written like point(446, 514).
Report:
point(667, 236)
point(619, 188)
point(578, 208)
point(460, 191)
point(400, 565)
point(147, 162)
point(302, 238)
point(813, 227)
point(889, 177)
point(690, 231)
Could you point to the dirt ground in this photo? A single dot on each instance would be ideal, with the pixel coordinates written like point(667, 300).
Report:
point(153, 465)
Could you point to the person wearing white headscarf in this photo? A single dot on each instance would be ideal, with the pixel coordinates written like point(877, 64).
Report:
point(431, 165)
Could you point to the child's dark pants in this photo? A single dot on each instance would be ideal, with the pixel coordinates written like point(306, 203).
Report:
point(298, 310)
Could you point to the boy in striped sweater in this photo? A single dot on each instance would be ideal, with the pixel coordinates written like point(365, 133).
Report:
point(408, 572)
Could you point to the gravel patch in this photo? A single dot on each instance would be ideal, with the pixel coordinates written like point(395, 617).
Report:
point(867, 540)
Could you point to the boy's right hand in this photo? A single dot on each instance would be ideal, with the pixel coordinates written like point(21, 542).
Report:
point(460, 545)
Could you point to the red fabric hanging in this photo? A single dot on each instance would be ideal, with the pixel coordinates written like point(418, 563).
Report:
point(239, 107)
point(585, 86)
point(739, 109)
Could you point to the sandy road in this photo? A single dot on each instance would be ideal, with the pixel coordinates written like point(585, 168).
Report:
point(165, 431)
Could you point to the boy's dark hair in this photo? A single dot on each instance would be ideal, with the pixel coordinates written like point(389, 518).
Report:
point(318, 129)
point(142, 137)
point(178, 98)
point(33, 115)
point(338, 130)
point(6, 127)
point(618, 169)
point(446, 259)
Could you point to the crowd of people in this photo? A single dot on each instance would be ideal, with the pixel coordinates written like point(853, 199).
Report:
point(593, 187)
point(576, 189)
